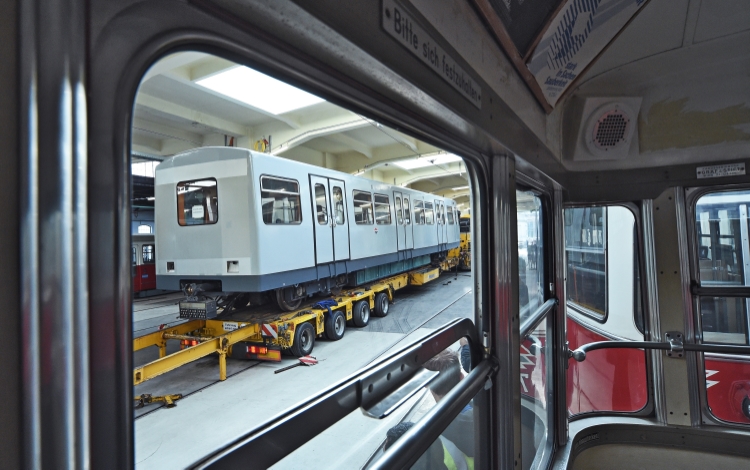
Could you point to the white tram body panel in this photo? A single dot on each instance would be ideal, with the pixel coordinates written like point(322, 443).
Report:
point(257, 222)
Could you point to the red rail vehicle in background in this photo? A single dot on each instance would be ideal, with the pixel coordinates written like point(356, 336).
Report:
point(143, 263)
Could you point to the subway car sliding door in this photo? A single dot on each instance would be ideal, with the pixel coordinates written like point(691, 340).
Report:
point(323, 222)
point(340, 224)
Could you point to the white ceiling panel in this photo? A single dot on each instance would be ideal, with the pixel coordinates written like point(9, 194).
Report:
point(720, 18)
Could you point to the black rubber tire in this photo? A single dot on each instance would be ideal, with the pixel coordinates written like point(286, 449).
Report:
point(283, 304)
point(304, 340)
point(361, 313)
point(335, 325)
point(382, 304)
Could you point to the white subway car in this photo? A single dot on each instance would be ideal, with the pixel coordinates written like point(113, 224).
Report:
point(236, 221)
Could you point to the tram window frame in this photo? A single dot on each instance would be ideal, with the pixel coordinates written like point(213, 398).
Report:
point(429, 213)
point(382, 207)
point(695, 197)
point(407, 211)
point(399, 210)
point(370, 214)
point(638, 277)
point(419, 212)
point(451, 216)
point(296, 211)
point(182, 220)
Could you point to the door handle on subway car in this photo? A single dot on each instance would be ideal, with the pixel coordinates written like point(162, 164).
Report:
point(674, 346)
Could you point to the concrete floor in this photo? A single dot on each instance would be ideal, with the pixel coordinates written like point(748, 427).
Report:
point(214, 413)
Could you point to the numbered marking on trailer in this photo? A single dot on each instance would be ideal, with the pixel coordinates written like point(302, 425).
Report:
point(230, 326)
point(268, 330)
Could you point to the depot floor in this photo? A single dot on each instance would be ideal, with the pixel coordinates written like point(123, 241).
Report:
point(212, 412)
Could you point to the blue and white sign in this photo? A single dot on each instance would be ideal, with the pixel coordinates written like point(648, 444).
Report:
point(575, 37)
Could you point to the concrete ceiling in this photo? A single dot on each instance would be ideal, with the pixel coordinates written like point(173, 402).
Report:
point(174, 114)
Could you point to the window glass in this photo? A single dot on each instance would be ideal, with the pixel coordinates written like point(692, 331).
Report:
point(456, 448)
point(450, 216)
point(584, 249)
point(362, 207)
point(407, 213)
point(399, 213)
point(429, 213)
point(603, 300)
point(382, 209)
point(722, 235)
point(134, 256)
point(148, 254)
point(197, 202)
point(536, 410)
point(321, 204)
point(418, 212)
point(530, 262)
point(280, 200)
point(722, 225)
point(338, 205)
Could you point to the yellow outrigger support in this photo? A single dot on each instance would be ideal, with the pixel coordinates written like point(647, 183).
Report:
point(206, 337)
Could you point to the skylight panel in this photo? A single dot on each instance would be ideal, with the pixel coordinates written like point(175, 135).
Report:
point(425, 161)
point(258, 90)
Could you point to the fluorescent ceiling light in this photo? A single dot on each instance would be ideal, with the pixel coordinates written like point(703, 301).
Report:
point(423, 161)
point(460, 188)
point(258, 90)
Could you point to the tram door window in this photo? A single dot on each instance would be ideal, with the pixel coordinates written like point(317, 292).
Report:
point(722, 225)
point(407, 214)
point(148, 254)
point(321, 204)
point(536, 440)
point(604, 303)
point(399, 211)
point(338, 205)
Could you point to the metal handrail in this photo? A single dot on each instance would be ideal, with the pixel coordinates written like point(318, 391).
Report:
point(269, 443)
point(415, 442)
point(719, 291)
point(531, 322)
point(673, 346)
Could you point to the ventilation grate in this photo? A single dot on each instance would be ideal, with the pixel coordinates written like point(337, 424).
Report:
point(611, 130)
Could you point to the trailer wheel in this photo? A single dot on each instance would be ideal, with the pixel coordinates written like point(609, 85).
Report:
point(382, 304)
point(335, 325)
point(304, 340)
point(287, 306)
point(361, 313)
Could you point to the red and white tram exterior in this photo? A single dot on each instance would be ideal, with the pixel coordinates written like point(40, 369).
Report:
point(143, 262)
point(616, 379)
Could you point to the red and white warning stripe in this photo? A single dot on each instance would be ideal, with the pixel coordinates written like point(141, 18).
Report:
point(269, 331)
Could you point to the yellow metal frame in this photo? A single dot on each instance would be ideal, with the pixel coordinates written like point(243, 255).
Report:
point(204, 331)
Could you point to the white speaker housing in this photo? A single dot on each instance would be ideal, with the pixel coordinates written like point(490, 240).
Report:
point(608, 129)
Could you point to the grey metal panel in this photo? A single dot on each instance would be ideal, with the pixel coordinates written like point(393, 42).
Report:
point(264, 282)
point(671, 304)
point(653, 325)
point(561, 336)
point(504, 336)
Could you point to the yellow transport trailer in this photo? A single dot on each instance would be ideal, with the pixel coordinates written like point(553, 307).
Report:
point(262, 336)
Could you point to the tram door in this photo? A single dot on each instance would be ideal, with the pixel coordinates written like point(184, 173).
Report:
point(403, 221)
point(439, 222)
point(331, 230)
